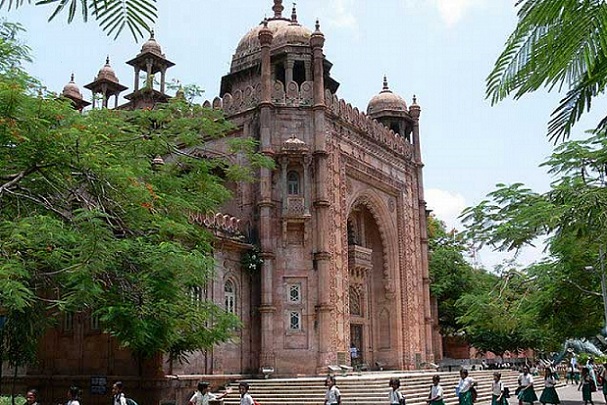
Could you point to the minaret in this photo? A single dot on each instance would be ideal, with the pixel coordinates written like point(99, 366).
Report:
point(265, 204)
point(106, 84)
point(150, 60)
point(322, 207)
point(414, 112)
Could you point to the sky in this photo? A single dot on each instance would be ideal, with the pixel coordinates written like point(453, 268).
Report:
point(439, 50)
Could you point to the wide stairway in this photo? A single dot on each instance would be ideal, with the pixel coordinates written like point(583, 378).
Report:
point(371, 388)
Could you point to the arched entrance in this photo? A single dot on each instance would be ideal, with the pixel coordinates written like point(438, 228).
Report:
point(369, 304)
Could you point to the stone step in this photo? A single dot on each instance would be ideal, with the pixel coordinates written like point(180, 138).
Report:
point(365, 388)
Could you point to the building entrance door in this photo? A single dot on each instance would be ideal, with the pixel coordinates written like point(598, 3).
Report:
point(356, 345)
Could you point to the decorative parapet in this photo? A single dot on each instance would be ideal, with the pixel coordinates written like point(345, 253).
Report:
point(220, 224)
point(238, 102)
point(366, 125)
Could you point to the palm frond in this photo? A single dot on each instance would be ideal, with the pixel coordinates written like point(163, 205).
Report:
point(556, 44)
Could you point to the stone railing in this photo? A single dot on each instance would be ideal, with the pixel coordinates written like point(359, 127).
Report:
point(366, 125)
point(294, 95)
point(295, 206)
point(220, 224)
point(359, 258)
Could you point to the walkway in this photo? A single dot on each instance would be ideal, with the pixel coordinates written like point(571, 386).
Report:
point(569, 395)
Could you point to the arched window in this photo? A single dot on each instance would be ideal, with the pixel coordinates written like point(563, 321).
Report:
point(293, 184)
point(229, 291)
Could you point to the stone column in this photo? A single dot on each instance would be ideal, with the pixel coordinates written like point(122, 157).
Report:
point(162, 78)
point(137, 70)
point(265, 205)
point(427, 335)
point(322, 206)
point(289, 64)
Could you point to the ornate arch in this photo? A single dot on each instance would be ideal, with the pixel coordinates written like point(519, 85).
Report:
point(387, 230)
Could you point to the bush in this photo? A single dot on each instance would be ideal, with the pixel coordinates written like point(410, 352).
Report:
point(7, 400)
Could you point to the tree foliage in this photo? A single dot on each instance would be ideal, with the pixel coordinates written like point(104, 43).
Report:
point(95, 215)
point(113, 16)
point(556, 44)
point(571, 216)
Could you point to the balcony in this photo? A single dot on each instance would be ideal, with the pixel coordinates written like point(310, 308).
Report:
point(359, 259)
point(295, 207)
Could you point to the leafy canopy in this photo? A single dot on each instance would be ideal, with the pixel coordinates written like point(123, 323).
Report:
point(95, 215)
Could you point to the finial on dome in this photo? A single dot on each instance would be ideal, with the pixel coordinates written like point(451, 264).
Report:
point(317, 25)
point(414, 100)
point(107, 60)
point(385, 87)
point(72, 77)
point(152, 33)
point(294, 13)
point(277, 8)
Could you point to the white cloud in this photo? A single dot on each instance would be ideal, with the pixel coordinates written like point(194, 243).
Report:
point(341, 15)
point(451, 11)
point(446, 206)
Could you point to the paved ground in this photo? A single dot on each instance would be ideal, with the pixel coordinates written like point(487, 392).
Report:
point(569, 395)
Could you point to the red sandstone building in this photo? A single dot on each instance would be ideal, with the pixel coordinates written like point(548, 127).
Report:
point(340, 224)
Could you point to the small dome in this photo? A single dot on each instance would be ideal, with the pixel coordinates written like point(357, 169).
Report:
point(71, 90)
point(286, 32)
point(151, 45)
point(106, 72)
point(386, 100)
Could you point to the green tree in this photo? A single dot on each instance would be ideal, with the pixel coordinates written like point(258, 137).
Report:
point(95, 215)
point(571, 216)
point(556, 44)
point(450, 274)
point(113, 16)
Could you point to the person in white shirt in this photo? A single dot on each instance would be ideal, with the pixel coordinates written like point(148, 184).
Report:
point(202, 396)
point(73, 396)
point(549, 395)
point(465, 387)
point(332, 396)
point(395, 396)
point(245, 397)
point(526, 393)
point(435, 397)
point(497, 390)
point(119, 398)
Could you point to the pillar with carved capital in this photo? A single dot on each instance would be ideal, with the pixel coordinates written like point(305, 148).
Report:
point(266, 206)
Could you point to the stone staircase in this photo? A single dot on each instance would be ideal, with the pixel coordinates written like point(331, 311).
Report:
point(371, 388)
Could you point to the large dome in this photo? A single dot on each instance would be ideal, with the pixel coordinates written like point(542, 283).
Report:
point(106, 72)
point(386, 101)
point(286, 32)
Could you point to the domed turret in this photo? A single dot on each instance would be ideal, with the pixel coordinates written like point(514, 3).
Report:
point(386, 101)
point(391, 110)
point(107, 73)
point(72, 91)
point(151, 45)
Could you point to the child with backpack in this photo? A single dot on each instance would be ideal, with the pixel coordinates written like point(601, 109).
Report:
point(498, 391)
point(202, 396)
point(435, 397)
point(396, 397)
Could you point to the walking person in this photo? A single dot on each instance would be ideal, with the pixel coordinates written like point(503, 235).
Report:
point(549, 394)
point(465, 387)
point(203, 395)
point(497, 390)
point(73, 396)
point(526, 393)
point(396, 397)
point(245, 397)
point(118, 394)
point(31, 397)
point(586, 386)
point(603, 376)
point(435, 397)
point(332, 396)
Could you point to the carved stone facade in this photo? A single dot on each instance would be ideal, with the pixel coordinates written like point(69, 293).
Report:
point(339, 223)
